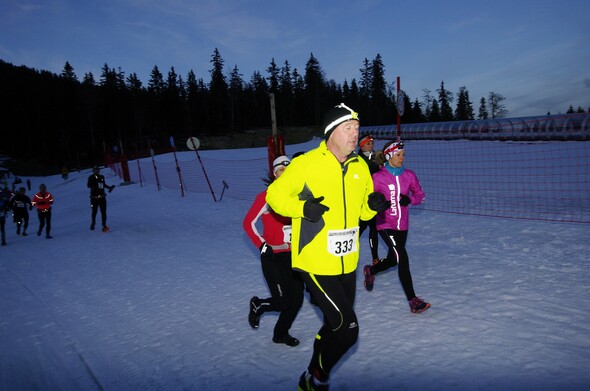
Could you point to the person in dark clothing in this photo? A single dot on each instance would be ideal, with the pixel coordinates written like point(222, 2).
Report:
point(374, 160)
point(5, 195)
point(21, 205)
point(98, 198)
point(43, 201)
point(274, 243)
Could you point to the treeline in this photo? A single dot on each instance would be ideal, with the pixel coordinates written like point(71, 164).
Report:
point(62, 120)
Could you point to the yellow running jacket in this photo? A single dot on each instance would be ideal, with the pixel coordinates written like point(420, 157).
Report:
point(331, 245)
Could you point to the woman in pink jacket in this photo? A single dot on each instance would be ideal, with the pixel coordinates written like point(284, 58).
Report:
point(402, 187)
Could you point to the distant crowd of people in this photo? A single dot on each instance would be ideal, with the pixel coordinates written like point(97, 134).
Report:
point(19, 205)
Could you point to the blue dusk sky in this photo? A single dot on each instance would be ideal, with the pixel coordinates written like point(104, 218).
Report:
point(535, 53)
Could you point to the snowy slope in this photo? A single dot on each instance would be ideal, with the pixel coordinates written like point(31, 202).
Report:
point(160, 303)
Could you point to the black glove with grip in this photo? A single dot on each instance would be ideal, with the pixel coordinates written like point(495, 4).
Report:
point(404, 200)
point(266, 252)
point(313, 210)
point(111, 188)
point(378, 202)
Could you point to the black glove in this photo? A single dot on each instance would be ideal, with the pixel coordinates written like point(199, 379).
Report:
point(313, 210)
point(404, 200)
point(111, 188)
point(266, 251)
point(30, 207)
point(378, 202)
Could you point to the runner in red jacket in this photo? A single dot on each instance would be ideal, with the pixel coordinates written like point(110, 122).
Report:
point(43, 201)
point(274, 243)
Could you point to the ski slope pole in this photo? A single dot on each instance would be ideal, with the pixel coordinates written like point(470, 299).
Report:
point(194, 143)
point(177, 166)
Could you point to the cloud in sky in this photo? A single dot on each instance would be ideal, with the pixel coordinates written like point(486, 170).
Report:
point(534, 53)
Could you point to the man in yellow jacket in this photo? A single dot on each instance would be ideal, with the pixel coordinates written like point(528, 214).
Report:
point(325, 192)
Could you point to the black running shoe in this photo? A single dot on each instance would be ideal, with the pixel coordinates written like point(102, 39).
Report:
point(287, 340)
point(417, 305)
point(369, 278)
point(304, 382)
point(253, 315)
point(307, 383)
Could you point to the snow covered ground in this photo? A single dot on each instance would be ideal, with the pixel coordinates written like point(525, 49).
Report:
point(161, 301)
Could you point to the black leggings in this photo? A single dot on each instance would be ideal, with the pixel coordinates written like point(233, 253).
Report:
point(396, 255)
point(334, 295)
point(44, 219)
point(286, 289)
point(102, 204)
point(373, 236)
point(21, 218)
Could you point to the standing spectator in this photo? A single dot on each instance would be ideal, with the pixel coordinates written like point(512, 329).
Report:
point(21, 204)
point(274, 243)
point(64, 173)
point(29, 184)
point(5, 195)
point(367, 152)
point(325, 192)
point(43, 201)
point(98, 198)
point(16, 181)
point(401, 186)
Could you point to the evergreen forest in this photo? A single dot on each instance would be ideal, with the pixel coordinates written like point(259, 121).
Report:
point(60, 120)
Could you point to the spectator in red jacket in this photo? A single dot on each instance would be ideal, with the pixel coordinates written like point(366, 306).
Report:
point(43, 201)
point(274, 243)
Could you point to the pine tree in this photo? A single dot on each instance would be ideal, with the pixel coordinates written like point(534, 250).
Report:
point(198, 104)
point(219, 95)
point(365, 82)
point(434, 112)
point(483, 111)
point(445, 98)
point(417, 115)
point(68, 73)
point(285, 96)
point(156, 82)
point(298, 110)
point(273, 77)
point(427, 99)
point(381, 106)
point(464, 110)
point(236, 89)
point(314, 88)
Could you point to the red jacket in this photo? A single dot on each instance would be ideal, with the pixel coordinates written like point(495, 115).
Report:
point(42, 201)
point(276, 228)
